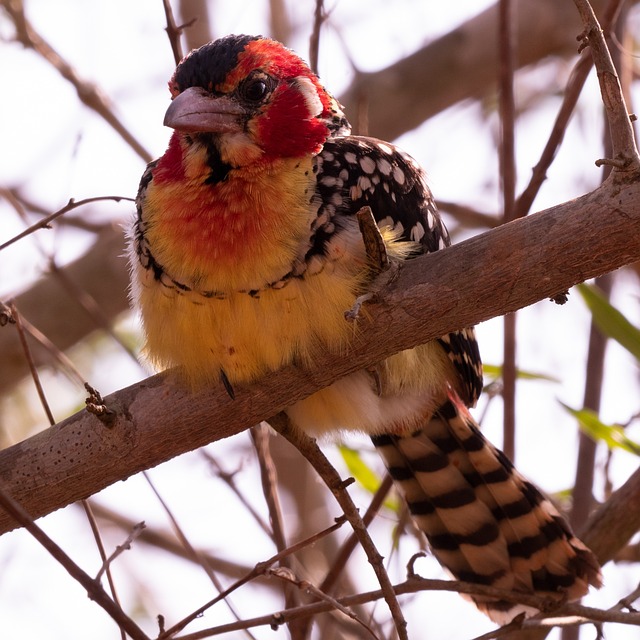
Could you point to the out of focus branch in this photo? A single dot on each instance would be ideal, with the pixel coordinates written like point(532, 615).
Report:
point(50, 306)
point(460, 65)
point(89, 94)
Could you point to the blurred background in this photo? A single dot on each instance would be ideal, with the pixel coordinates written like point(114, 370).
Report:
point(84, 91)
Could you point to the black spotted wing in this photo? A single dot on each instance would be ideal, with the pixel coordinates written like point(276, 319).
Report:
point(355, 171)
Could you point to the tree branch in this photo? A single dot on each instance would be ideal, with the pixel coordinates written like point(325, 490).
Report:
point(459, 65)
point(506, 269)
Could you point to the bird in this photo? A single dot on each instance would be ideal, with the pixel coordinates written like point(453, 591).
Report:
point(245, 252)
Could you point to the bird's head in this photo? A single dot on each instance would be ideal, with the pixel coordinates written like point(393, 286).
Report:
point(250, 98)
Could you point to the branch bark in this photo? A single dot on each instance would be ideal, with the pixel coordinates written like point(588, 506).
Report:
point(506, 269)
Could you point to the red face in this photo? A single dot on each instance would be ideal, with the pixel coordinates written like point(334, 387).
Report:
point(256, 90)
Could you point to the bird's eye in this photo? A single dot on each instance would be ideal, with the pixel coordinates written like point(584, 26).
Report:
point(254, 89)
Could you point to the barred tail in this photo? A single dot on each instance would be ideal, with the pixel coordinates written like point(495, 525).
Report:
point(485, 523)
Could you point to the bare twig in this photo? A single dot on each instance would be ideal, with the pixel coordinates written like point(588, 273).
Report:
point(34, 371)
point(45, 222)
point(258, 570)
point(269, 477)
point(93, 587)
point(625, 153)
point(89, 94)
point(304, 585)
point(95, 530)
point(506, 49)
point(173, 31)
point(21, 204)
point(329, 475)
point(314, 40)
point(581, 614)
point(269, 480)
point(166, 541)
point(64, 362)
point(121, 548)
point(189, 547)
point(571, 95)
point(348, 547)
point(228, 478)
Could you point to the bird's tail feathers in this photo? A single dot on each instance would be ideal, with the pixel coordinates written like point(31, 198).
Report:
point(485, 522)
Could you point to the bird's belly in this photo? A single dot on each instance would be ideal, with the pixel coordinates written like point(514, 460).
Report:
point(245, 336)
point(248, 336)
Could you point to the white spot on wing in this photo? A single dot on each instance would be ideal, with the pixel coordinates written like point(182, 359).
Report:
point(398, 175)
point(364, 183)
point(384, 166)
point(417, 232)
point(350, 157)
point(368, 164)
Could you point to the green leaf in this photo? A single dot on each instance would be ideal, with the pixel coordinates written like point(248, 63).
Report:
point(613, 435)
point(364, 474)
point(610, 321)
point(495, 371)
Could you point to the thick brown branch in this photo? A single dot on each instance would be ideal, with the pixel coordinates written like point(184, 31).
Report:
point(505, 269)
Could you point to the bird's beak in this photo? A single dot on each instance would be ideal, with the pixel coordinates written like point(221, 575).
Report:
point(196, 111)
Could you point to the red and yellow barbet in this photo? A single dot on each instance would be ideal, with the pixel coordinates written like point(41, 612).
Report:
point(245, 254)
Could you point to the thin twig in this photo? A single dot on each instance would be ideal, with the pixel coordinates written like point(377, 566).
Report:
point(572, 93)
point(506, 48)
point(330, 476)
point(258, 570)
point(174, 31)
point(187, 545)
point(65, 363)
point(32, 367)
point(44, 223)
point(19, 322)
point(88, 93)
point(95, 530)
point(314, 40)
point(624, 151)
point(166, 541)
point(21, 205)
point(340, 561)
point(581, 614)
point(93, 588)
point(269, 480)
point(228, 478)
point(121, 548)
point(289, 577)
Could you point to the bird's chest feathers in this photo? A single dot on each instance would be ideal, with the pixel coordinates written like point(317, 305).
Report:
point(241, 233)
point(248, 335)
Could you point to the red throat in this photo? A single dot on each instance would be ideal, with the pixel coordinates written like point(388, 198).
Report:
point(170, 166)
